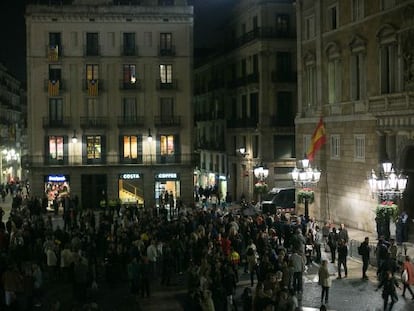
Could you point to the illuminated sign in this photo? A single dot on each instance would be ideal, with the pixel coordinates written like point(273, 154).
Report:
point(167, 176)
point(56, 178)
point(130, 176)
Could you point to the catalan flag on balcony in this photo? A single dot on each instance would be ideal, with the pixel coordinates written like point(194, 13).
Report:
point(53, 54)
point(93, 88)
point(53, 88)
point(318, 140)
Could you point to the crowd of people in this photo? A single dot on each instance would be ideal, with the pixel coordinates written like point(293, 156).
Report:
point(210, 247)
point(135, 246)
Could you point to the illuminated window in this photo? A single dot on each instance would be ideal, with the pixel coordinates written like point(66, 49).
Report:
point(92, 72)
point(166, 145)
point(130, 147)
point(56, 148)
point(166, 73)
point(93, 147)
point(130, 75)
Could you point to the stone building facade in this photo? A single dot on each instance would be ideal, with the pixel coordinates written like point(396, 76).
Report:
point(249, 86)
point(109, 100)
point(355, 61)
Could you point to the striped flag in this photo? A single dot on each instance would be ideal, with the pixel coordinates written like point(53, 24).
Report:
point(53, 88)
point(53, 54)
point(92, 88)
point(318, 140)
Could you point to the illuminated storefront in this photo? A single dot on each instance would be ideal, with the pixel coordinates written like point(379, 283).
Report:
point(131, 188)
point(167, 185)
point(56, 187)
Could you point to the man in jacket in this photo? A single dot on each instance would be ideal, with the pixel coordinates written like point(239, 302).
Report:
point(298, 266)
point(342, 255)
point(364, 250)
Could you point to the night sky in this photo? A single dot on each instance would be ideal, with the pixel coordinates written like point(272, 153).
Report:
point(208, 19)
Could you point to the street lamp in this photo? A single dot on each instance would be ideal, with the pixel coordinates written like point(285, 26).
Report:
point(305, 176)
point(261, 173)
point(388, 186)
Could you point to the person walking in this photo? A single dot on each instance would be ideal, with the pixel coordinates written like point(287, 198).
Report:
point(324, 281)
point(389, 283)
point(333, 243)
point(408, 269)
point(343, 234)
point(364, 250)
point(298, 266)
point(342, 256)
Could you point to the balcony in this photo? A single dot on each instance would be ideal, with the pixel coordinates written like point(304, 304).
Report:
point(166, 51)
point(283, 76)
point(242, 123)
point(52, 123)
point(253, 78)
point(261, 33)
point(284, 121)
point(129, 85)
point(130, 121)
point(170, 85)
point(167, 121)
point(91, 50)
point(93, 87)
point(106, 160)
point(94, 122)
point(129, 50)
point(54, 87)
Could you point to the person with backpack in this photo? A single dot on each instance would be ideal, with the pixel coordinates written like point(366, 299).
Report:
point(364, 251)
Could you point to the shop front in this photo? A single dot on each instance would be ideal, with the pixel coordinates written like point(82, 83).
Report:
point(167, 192)
point(131, 188)
point(56, 188)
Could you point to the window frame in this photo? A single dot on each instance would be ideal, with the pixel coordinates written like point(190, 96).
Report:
point(61, 150)
point(98, 142)
point(135, 149)
point(335, 146)
point(310, 30)
point(333, 17)
point(359, 147)
point(92, 44)
point(129, 43)
point(358, 10)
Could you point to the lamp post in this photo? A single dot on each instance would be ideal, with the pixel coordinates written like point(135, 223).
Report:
point(260, 172)
point(387, 188)
point(305, 176)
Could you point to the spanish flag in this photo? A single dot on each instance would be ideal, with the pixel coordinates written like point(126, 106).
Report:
point(318, 140)
point(92, 88)
point(53, 88)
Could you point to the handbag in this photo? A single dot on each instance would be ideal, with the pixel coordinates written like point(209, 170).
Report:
point(404, 276)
